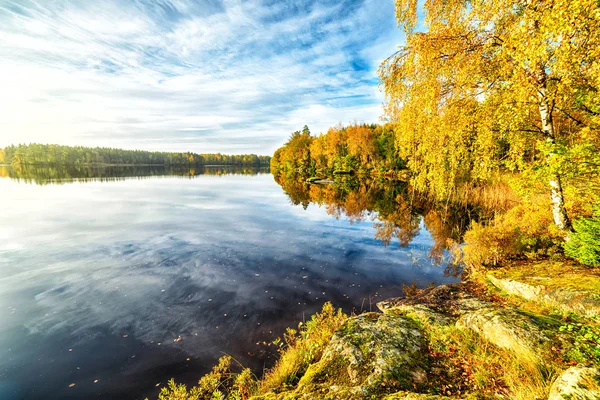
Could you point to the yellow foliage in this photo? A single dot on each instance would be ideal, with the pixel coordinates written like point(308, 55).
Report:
point(484, 87)
point(524, 231)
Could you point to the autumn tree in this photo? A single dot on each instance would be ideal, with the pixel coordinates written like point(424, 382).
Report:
point(361, 143)
point(294, 156)
point(483, 86)
point(359, 148)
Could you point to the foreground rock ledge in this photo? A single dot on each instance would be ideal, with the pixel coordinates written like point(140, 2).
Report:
point(389, 350)
point(577, 383)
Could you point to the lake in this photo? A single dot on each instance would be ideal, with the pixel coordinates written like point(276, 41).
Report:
point(114, 280)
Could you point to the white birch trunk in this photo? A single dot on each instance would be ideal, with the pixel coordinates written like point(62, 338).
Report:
point(559, 212)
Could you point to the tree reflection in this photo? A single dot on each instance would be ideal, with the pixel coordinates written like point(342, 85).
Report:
point(397, 211)
point(60, 174)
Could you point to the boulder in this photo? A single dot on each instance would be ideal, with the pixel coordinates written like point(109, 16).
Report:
point(503, 327)
point(437, 298)
point(565, 299)
point(577, 383)
point(369, 352)
point(414, 396)
point(423, 314)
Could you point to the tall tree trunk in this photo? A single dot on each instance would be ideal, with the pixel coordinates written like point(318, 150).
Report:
point(561, 219)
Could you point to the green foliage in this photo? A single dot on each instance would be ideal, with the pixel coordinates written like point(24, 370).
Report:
point(586, 342)
point(584, 243)
point(50, 154)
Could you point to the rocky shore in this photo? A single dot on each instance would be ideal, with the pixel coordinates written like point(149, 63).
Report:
point(428, 346)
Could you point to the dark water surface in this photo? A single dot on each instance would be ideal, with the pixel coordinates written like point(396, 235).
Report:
point(117, 284)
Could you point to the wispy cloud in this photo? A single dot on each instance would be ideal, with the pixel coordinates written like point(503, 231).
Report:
point(210, 75)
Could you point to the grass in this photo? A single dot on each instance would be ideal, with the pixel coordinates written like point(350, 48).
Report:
point(301, 348)
point(467, 363)
point(298, 350)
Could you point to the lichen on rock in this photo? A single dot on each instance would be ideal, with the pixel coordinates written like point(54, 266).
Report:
point(565, 299)
point(369, 352)
point(577, 383)
point(503, 327)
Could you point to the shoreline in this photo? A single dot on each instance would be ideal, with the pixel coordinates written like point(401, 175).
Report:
point(505, 332)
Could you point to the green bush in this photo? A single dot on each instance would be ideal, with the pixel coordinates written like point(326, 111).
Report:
point(584, 243)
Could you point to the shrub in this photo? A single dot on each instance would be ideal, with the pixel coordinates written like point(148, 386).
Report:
point(525, 231)
point(584, 243)
point(585, 342)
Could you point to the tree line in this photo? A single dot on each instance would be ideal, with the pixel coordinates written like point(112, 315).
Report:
point(51, 154)
point(60, 174)
point(362, 148)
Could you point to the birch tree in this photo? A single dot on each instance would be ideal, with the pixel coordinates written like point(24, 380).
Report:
point(494, 84)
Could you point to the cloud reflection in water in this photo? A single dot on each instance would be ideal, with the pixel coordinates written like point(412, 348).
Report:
point(119, 271)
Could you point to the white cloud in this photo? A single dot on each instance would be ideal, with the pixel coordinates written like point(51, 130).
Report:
point(176, 75)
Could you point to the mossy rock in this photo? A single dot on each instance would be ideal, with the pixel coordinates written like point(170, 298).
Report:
point(371, 353)
point(503, 327)
point(545, 292)
point(438, 299)
point(423, 314)
point(414, 396)
point(577, 383)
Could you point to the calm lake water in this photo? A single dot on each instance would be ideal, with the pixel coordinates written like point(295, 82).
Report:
point(116, 280)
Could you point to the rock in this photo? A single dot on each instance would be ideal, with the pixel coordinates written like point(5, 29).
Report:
point(566, 299)
point(324, 182)
point(503, 327)
point(423, 313)
point(414, 396)
point(435, 298)
point(577, 383)
point(366, 353)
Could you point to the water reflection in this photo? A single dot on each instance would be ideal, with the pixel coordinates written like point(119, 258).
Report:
point(129, 283)
point(397, 212)
point(43, 175)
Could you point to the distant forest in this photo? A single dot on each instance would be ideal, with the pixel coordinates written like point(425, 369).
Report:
point(51, 154)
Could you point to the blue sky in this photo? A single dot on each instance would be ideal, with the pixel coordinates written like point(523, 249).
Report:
point(206, 75)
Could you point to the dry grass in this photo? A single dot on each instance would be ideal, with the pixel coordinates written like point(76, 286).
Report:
point(300, 349)
point(496, 195)
point(467, 363)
